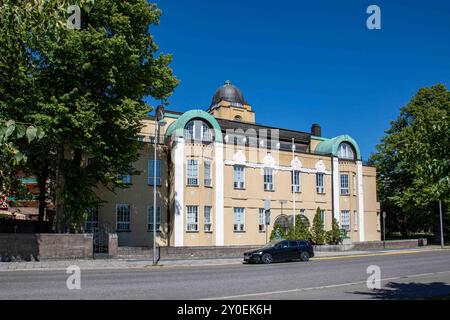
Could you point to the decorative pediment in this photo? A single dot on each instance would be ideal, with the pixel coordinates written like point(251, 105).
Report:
point(239, 158)
point(320, 166)
point(296, 164)
point(269, 161)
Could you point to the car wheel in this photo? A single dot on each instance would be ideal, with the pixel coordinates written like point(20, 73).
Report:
point(304, 256)
point(267, 258)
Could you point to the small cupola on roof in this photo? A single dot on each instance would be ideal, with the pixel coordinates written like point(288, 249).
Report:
point(229, 103)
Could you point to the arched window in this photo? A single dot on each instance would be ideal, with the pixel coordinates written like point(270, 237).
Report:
point(198, 130)
point(345, 151)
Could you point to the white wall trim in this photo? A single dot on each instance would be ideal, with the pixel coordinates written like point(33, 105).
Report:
point(360, 201)
point(178, 160)
point(219, 184)
point(336, 213)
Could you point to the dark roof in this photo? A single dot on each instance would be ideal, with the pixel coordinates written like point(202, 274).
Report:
point(284, 134)
point(228, 92)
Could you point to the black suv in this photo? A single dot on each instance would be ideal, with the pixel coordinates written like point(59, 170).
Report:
point(284, 250)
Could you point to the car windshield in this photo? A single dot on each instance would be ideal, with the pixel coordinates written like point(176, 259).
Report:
point(272, 244)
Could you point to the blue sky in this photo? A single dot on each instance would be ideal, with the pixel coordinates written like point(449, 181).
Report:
point(300, 62)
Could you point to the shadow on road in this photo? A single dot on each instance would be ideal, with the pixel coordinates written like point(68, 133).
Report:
point(405, 291)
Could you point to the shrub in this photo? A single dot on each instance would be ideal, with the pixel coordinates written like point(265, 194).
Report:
point(301, 229)
point(335, 235)
point(277, 233)
point(318, 232)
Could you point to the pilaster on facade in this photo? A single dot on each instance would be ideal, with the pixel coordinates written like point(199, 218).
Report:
point(336, 213)
point(178, 162)
point(360, 200)
point(219, 217)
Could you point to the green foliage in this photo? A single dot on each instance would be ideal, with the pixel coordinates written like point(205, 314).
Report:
point(335, 235)
point(277, 233)
point(300, 231)
point(318, 231)
point(85, 88)
point(413, 164)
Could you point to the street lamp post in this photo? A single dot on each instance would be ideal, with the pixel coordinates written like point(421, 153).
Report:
point(159, 121)
point(384, 230)
point(442, 227)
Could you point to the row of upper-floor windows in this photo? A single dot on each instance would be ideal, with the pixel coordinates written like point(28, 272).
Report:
point(193, 179)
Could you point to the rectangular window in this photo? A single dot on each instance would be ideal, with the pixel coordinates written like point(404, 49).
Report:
point(192, 218)
point(192, 172)
point(261, 220)
point(207, 219)
point(239, 177)
point(295, 181)
point(344, 184)
point(355, 220)
point(354, 184)
point(322, 216)
point(150, 218)
point(345, 220)
point(268, 179)
point(378, 222)
point(151, 171)
point(123, 215)
point(320, 183)
point(239, 219)
point(208, 180)
point(91, 221)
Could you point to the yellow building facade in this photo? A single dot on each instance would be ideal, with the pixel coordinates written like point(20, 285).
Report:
point(218, 171)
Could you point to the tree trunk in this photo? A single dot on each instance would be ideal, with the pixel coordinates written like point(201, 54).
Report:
point(60, 186)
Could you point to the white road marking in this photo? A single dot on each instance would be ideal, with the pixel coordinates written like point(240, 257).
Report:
point(324, 287)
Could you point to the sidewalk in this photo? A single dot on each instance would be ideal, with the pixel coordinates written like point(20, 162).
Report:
point(146, 263)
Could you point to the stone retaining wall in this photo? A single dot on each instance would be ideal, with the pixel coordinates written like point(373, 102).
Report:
point(174, 253)
point(36, 247)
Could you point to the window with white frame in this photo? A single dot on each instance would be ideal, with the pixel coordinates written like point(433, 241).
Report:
point(207, 173)
point(239, 219)
point(192, 172)
point(295, 181)
point(207, 219)
point(192, 218)
point(123, 215)
point(344, 184)
point(92, 220)
point(268, 179)
point(322, 216)
point(345, 151)
point(354, 184)
point(261, 220)
point(355, 220)
point(345, 219)
point(239, 177)
point(151, 172)
point(198, 130)
point(150, 218)
point(320, 183)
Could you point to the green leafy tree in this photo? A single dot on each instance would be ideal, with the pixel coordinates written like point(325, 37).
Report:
point(86, 88)
point(301, 229)
point(335, 235)
point(318, 231)
point(413, 164)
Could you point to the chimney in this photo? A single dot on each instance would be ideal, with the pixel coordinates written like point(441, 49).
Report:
point(316, 130)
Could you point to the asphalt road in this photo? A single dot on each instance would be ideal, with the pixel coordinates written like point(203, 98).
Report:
point(404, 276)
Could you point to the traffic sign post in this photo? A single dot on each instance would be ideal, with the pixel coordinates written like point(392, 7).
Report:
point(267, 216)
